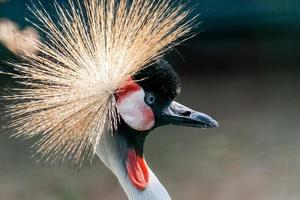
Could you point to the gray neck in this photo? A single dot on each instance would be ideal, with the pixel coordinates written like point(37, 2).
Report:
point(112, 151)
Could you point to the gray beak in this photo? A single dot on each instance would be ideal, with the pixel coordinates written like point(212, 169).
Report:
point(178, 114)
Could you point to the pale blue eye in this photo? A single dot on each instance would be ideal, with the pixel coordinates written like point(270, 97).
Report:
point(150, 99)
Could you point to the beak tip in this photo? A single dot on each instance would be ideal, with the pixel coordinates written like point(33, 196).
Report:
point(215, 124)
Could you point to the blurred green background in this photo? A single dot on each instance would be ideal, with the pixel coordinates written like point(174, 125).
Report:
point(243, 68)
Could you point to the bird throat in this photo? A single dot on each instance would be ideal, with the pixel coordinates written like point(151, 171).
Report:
point(137, 169)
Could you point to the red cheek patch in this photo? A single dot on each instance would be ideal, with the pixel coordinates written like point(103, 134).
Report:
point(132, 107)
point(129, 87)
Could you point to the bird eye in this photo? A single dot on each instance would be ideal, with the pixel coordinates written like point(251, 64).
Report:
point(150, 99)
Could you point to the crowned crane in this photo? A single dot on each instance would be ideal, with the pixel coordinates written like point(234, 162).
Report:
point(100, 84)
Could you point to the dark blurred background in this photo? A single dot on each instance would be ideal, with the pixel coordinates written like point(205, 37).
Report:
point(242, 67)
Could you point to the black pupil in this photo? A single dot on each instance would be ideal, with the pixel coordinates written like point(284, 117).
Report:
point(151, 99)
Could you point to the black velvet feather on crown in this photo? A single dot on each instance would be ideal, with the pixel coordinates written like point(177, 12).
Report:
point(160, 78)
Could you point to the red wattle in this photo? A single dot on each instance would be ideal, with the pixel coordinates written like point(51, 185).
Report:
point(137, 170)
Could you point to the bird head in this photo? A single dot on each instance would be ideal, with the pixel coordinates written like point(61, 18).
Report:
point(147, 101)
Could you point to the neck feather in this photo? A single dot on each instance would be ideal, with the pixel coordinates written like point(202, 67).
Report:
point(112, 150)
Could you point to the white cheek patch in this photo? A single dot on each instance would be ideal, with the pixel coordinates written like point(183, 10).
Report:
point(135, 112)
